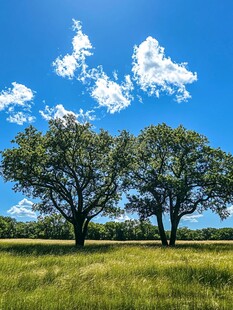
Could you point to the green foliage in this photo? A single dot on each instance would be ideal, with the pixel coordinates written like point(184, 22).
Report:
point(71, 168)
point(128, 230)
point(205, 234)
point(175, 171)
point(48, 227)
point(56, 227)
point(81, 174)
point(7, 227)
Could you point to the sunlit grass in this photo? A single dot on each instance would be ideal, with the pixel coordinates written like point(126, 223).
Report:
point(41, 274)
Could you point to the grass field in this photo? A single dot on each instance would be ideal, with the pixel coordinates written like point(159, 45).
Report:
point(36, 274)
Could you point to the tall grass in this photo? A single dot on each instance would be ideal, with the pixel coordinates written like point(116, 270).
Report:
point(115, 275)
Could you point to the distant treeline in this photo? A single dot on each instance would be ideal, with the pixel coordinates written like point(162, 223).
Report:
point(55, 227)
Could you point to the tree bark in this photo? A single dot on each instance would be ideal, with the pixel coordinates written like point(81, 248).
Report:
point(79, 233)
point(173, 232)
point(162, 233)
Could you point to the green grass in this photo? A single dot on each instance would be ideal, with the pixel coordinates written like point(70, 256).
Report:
point(36, 274)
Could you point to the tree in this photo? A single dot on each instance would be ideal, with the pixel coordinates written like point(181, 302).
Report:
point(225, 234)
point(71, 168)
point(54, 226)
point(7, 227)
point(96, 231)
point(175, 171)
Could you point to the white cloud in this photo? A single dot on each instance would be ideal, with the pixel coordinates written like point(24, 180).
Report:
point(115, 97)
point(156, 73)
point(193, 218)
point(48, 113)
point(59, 112)
point(20, 118)
point(22, 209)
point(18, 95)
point(81, 43)
point(152, 71)
point(84, 117)
point(115, 75)
point(67, 65)
point(122, 218)
point(107, 93)
point(230, 210)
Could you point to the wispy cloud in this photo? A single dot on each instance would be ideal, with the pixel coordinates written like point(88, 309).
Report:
point(67, 65)
point(107, 93)
point(20, 118)
point(156, 73)
point(59, 112)
point(19, 96)
point(22, 209)
point(193, 218)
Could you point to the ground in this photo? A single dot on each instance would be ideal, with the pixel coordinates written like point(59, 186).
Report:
point(46, 274)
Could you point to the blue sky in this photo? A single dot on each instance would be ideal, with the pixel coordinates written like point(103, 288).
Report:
point(97, 59)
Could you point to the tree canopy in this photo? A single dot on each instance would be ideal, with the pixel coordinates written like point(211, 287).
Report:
point(71, 168)
point(80, 173)
point(175, 171)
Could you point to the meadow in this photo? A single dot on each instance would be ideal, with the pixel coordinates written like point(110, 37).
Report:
point(45, 274)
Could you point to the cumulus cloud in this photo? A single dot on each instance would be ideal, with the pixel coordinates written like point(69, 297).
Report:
point(115, 97)
point(156, 73)
point(152, 72)
point(22, 209)
point(67, 65)
point(59, 112)
point(18, 95)
point(193, 218)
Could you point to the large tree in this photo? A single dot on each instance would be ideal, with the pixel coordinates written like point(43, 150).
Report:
point(175, 171)
point(71, 169)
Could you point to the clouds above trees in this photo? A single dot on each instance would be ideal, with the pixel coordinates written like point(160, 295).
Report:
point(59, 112)
point(152, 72)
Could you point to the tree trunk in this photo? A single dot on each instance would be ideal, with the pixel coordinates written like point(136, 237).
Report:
point(173, 232)
point(162, 233)
point(79, 234)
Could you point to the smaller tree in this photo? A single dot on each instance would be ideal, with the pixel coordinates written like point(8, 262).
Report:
point(71, 168)
point(176, 172)
point(54, 226)
point(7, 227)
